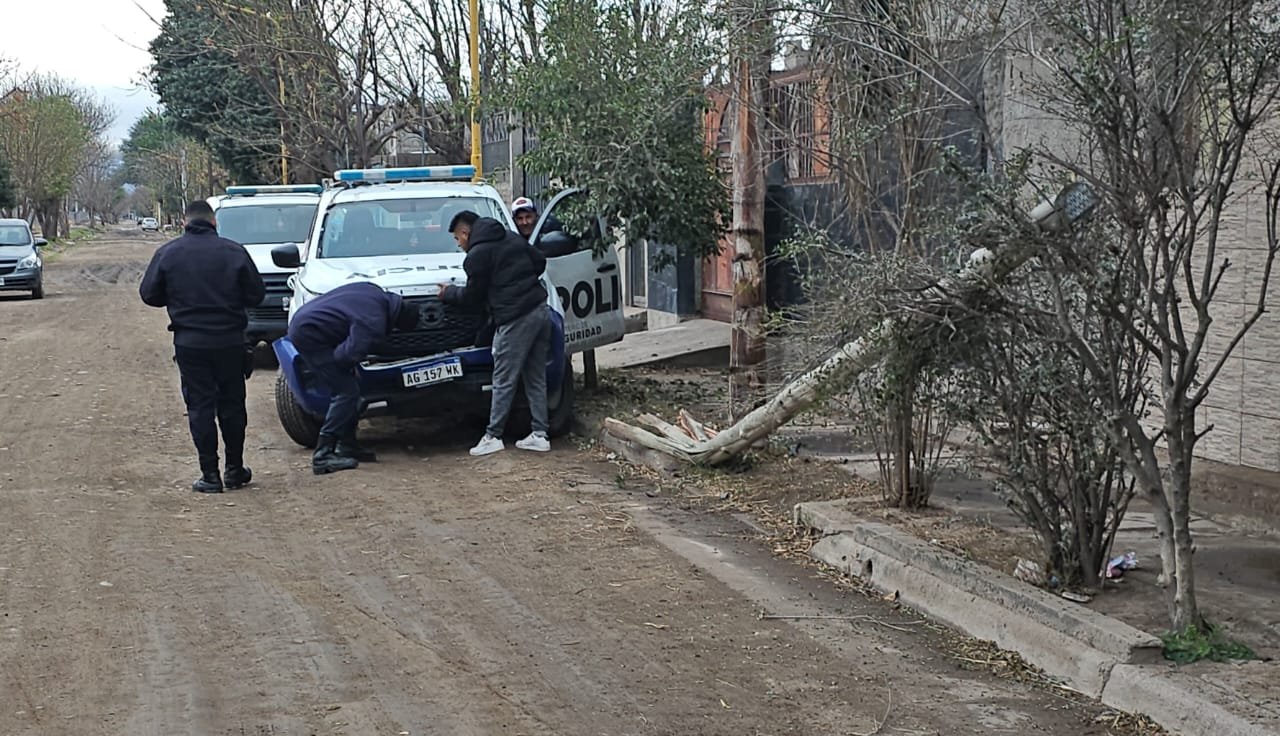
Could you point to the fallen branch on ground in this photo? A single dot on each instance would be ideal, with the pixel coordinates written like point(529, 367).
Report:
point(880, 724)
point(942, 306)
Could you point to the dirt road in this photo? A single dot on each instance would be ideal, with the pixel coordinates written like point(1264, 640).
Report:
point(430, 593)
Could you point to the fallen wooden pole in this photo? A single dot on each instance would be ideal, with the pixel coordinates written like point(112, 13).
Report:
point(960, 293)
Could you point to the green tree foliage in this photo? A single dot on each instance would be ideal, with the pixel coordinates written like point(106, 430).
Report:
point(208, 97)
point(617, 99)
point(45, 135)
point(173, 167)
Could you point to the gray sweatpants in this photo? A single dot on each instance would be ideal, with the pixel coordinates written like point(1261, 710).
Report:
point(520, 354)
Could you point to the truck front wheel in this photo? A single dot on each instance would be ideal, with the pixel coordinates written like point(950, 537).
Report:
point(302, 427)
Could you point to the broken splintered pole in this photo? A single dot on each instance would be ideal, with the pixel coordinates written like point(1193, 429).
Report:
point(686, 443)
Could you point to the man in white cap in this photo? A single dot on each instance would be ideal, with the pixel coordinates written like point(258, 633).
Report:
point(553, 240)
point(525, 213)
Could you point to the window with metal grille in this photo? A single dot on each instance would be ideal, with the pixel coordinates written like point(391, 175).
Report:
point(724, 138)
point(796, 132)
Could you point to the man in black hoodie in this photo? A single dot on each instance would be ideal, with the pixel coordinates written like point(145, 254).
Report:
point(333, 333)
point(503, 274)
point(207, 282)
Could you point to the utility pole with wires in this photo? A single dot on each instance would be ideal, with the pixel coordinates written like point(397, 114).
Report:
point(476, 159)
point(750, 58)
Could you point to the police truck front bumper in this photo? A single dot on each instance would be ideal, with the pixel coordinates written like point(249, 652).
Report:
point(453, 381)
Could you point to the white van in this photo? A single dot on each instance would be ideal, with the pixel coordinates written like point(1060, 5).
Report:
point(261, 218)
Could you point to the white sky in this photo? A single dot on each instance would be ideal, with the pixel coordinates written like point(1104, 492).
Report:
point(98, 44)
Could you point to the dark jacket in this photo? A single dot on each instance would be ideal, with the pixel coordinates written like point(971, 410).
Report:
point(554, 240)
point(207, 283)
point(503, 273)
point(347, 321)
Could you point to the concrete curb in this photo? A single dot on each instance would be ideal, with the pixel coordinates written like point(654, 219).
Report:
point(1183, 704)
point(1064, 639)
point(1092, 653)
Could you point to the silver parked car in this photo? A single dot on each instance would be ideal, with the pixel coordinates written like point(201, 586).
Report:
point(21, 268)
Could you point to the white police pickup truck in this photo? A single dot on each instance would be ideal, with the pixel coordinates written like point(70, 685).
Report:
point(261, 218)
point(391, 227)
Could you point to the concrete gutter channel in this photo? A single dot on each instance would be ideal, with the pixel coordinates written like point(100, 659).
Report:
point(1094, 654)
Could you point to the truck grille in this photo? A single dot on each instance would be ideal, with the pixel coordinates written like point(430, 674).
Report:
point(7, 266)
point(267, 314)
point(277, 288)
point(272, 305)
point(442, 327)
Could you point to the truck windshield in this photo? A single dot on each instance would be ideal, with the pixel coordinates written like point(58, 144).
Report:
point(398, 227)
point(14, 235)
point(266, 223)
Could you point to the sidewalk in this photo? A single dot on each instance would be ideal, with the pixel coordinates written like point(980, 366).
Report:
point(698, 342)
point(1238, 570)
point(1238, 582)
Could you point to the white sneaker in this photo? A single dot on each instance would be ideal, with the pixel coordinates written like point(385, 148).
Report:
point(536, 442)
point(487, 446)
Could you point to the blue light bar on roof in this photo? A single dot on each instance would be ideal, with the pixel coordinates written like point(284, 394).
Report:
point(275, 189)
point(411, 173)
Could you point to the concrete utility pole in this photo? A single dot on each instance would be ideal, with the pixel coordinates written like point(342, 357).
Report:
point(751, 56)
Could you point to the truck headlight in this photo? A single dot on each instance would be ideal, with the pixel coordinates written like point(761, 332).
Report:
point(31, 261)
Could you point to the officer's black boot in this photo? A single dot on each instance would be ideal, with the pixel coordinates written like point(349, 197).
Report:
point(348, 447)
point(237, 476)
point(210, 481)
point(326, 460)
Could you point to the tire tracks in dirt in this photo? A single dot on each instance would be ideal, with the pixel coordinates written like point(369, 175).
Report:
point(428, 593)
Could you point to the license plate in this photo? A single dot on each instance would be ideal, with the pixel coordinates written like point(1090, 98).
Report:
point(445, 370)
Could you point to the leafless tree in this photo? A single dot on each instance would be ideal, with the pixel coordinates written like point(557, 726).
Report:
point(1173, 111)
point(96, 188)
point(320, 64)
point(1043, 415)
point(889, 107)
point(347, 79)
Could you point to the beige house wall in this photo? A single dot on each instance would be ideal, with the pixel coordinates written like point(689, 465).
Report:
point(1244, 404)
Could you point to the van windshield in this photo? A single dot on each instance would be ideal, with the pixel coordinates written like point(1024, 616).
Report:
point(398, 227)
point(266, 223)
point(14, 235)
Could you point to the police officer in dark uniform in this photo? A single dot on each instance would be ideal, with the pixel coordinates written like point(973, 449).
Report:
point(333, 333)
point(207, 283)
